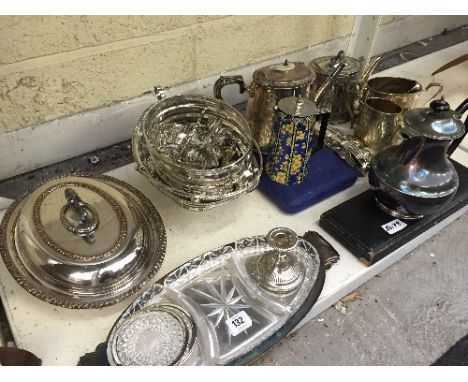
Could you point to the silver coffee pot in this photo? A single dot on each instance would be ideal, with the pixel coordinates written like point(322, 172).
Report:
point(342, 97)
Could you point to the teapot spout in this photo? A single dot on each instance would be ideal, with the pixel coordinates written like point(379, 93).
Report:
point(370, 69)
point(328, 83)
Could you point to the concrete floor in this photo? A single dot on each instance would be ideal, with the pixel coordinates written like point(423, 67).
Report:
point(410, 314)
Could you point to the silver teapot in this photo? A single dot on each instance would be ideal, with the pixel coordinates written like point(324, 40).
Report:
point(270, 84)
point(416, 178)
point(342, 97)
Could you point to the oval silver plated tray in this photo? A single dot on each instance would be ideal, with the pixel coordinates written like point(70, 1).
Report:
point(227, 306)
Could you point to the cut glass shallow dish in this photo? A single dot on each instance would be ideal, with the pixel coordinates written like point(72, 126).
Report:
point(227, 306)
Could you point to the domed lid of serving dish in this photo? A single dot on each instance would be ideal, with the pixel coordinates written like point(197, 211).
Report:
point(83, 241)
point(328, 64)
point(436, 122)
point(286, 74)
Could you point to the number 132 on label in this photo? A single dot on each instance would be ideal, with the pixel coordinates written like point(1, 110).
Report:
point(238, 323)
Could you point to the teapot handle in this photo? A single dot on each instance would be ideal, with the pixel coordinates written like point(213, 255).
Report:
point(223, 81)
point(460, 110)
point(361, 88)
point(355, 95)
point(324, 117)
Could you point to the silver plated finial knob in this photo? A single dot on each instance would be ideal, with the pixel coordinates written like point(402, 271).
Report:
point(83, 220)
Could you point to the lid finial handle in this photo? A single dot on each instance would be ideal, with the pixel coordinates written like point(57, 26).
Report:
point(440, 105)
point(77, 205)
point(84, 219)
point(341, 55)
point(338, 60)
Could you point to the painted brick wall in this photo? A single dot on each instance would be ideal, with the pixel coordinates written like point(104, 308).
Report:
point(52, 66)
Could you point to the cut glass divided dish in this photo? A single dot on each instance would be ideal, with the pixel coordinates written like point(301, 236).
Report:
point(225, 307)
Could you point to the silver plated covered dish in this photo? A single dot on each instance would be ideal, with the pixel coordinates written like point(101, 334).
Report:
point(83, 241)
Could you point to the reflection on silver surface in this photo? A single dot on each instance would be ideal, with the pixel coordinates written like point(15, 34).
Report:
point(437, 122)
point(350, 149)
point(343, 95)
point(197, 150)
point(280, 270)
point(57, 265)
point(270, 84)
point(416, 178)
point(404, 92)
point(378, 124)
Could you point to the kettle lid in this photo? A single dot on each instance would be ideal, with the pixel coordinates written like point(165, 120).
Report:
point(328, 64)
point(436, 122)
point(285, 74)
point(297, 106)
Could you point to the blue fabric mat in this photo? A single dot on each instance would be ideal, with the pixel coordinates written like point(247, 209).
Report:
point(327, 175)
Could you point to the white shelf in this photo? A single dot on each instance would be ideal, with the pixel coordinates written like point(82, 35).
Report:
point(60, 336)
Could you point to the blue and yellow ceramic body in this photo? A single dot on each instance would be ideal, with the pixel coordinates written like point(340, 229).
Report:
point(287, 159)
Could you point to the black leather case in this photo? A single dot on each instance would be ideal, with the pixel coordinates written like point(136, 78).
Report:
point(357, 223)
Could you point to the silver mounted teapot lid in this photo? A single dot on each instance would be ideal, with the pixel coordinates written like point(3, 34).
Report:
point(328, 64)
point(297, 106)
point(436, 122)
point(285, 74)
point(83, 241)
